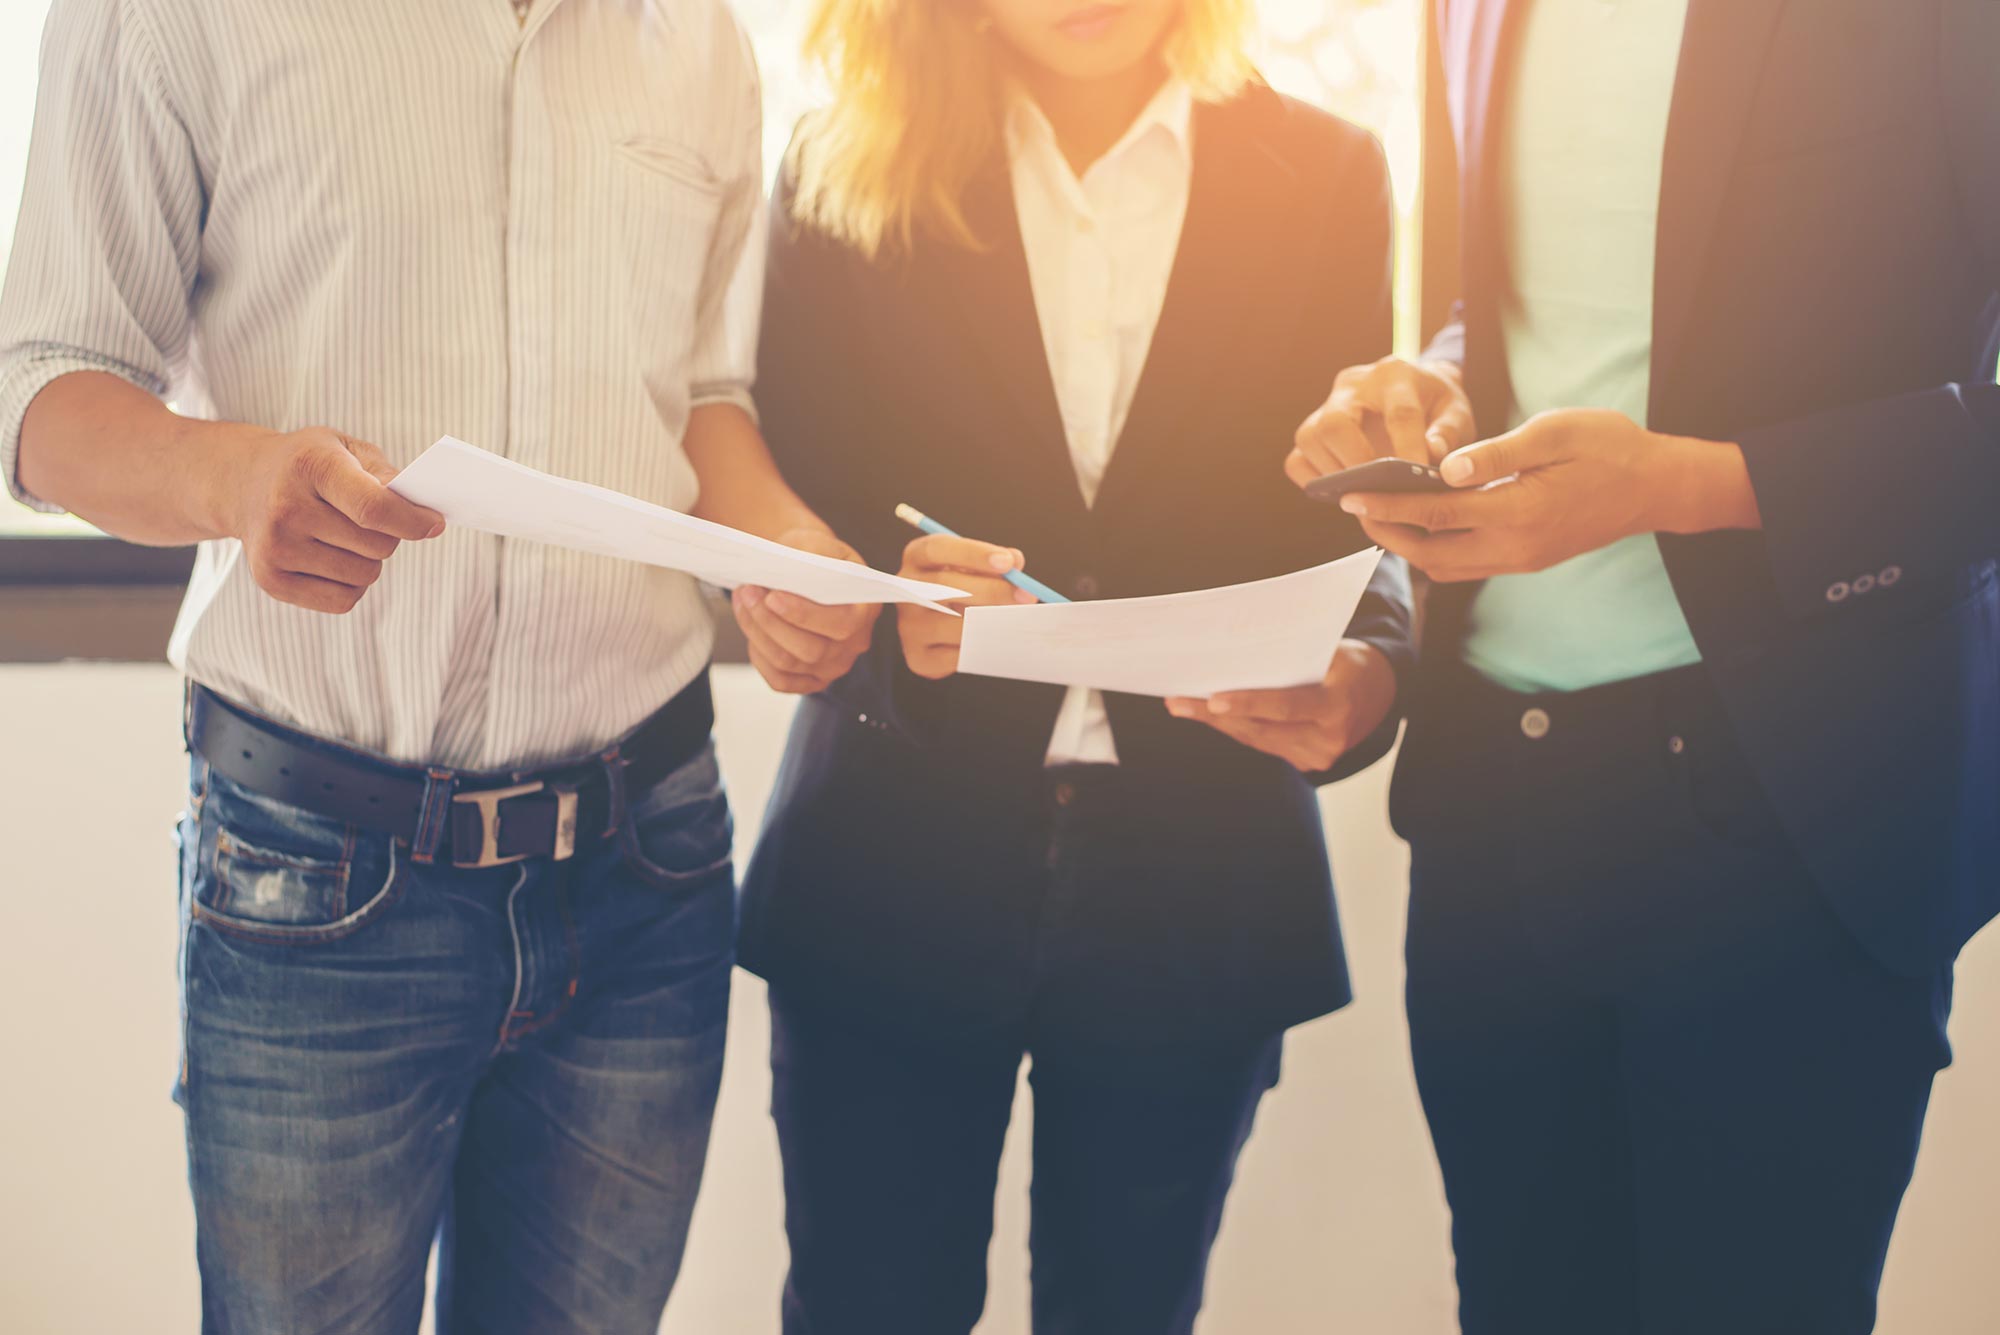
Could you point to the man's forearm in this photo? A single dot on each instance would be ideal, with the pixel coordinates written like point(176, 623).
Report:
point(116, 456)
point(740, 482)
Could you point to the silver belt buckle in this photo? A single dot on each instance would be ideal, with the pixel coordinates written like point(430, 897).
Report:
point(488, 804)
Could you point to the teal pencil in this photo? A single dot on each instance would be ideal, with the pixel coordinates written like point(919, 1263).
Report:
point(916, 518)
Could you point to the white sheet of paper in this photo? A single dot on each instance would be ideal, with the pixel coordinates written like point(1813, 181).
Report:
point(1265, 635)
point(480, 490)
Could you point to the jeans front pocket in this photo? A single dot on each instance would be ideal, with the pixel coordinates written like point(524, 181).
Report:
point(680, 830)
point(269, 872)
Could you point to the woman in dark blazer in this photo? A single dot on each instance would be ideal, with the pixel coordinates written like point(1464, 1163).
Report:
point(954, 873)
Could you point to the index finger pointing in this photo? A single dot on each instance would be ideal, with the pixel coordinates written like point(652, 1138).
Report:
point(1403, 414)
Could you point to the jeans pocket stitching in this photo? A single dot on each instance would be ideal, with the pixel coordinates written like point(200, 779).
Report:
point(239, 850)
point(676, 876)
point(315, 933)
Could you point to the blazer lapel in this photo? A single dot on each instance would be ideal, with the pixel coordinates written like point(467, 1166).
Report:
point(1237, 187)
point(1479, 40)
point(985, 297)
point(1722, 59)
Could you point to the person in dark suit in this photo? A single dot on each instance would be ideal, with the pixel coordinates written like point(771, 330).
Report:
point(1702, 780)
point(1084, 228)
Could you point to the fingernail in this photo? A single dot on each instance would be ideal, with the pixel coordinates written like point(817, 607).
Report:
point(1218, 705)
point(782, 603)
point(1353, 505)
point(1002, 560)
point(1023, 596)
point(1456, 469)
point(436, 530)
point(1178, 708)
point(751, 595)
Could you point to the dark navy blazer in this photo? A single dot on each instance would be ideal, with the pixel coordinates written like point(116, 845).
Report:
point(903, 869)
point(1828, 294)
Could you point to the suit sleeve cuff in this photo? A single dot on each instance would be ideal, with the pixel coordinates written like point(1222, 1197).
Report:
point(1857, 500)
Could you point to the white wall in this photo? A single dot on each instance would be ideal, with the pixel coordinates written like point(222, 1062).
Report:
point(1336, 1224)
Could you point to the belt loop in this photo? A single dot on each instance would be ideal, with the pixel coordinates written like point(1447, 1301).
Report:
point(438, 784)
point(614, 788)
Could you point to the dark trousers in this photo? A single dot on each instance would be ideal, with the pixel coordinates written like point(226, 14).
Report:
point(1669, 1091)
point(891, 1149)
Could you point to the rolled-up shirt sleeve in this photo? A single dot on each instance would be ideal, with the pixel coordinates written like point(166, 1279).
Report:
point(723, 363)
point(108, 245)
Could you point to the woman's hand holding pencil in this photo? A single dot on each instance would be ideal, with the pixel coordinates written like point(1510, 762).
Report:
point(931, 639)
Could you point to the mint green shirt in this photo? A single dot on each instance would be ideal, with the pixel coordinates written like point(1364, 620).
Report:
point(1583, 148)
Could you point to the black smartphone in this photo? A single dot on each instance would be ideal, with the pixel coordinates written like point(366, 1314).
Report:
point(1377, 475)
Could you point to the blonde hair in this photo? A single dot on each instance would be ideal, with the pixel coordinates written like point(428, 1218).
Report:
point(916, 110)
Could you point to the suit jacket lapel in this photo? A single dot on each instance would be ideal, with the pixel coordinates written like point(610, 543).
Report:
point(1722, 59)
point(985, 297)
point(1479, 39)
point(1218, 270)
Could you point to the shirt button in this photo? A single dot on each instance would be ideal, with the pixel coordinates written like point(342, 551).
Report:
point(1837, 591)
point(1085, 586)
point(1535, 724)
point(1889, 575)
point(1676, 745)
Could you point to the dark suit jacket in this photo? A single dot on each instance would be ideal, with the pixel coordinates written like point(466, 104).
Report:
point(903, 865)
point(1828, 296)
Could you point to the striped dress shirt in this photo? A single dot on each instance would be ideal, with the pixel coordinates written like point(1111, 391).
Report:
point(402, 218)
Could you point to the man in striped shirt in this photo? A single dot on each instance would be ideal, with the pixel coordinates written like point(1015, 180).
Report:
point(455, 878)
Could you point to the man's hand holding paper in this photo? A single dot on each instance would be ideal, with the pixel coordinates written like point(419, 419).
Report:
point(479, 490)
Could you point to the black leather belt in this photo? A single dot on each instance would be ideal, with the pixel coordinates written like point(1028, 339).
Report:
point(482, 820)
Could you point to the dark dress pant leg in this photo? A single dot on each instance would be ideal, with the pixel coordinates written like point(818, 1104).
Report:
point(891, 1151)
point(1132, 1163)
point(1669, 1090)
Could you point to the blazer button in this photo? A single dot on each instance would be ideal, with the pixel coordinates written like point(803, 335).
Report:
point(1084, 587)
point(1837, 591)
point(1864, 584)
point(1888, 577)
point(1535, 724)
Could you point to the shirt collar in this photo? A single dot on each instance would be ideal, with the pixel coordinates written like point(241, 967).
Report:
point(1170, 111)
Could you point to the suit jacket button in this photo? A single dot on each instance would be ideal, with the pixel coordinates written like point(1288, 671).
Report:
point(1837, 591)
point(1864, 584)
point(1085, 586)
point(1535, 724)
point(1889, 575)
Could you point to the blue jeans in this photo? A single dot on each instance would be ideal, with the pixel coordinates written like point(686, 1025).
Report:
point(520, 1062)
